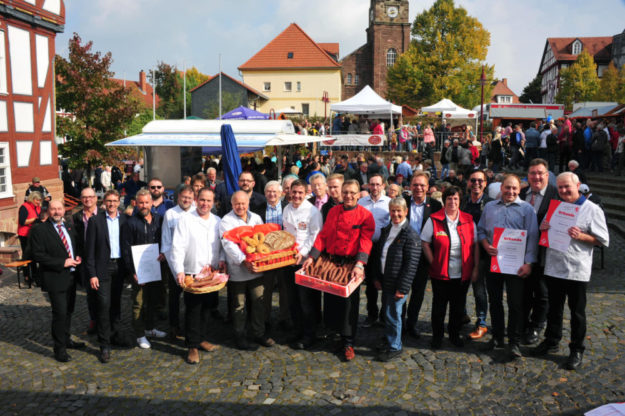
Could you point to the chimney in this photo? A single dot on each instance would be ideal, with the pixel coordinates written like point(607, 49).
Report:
point(142, 81)
point(505, 81)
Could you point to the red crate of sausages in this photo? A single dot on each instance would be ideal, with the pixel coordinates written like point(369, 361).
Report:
point(302, 279)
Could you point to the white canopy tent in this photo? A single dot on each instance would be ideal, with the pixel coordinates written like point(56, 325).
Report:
point(451, 111)
point(366, 102)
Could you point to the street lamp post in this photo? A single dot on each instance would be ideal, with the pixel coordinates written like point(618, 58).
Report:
point(482, 82)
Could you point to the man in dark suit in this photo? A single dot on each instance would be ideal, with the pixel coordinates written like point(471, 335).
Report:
point(535, 299)
point(420, 206)
point(53, 246)
point(246, 184)
point(105, 270)
point(80, 220)
point(363, 175)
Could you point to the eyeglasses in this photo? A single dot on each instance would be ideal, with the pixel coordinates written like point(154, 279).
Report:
point(156, 187)
point(88, 196)
point(474, 180)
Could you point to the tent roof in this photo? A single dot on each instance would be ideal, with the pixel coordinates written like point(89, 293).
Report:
point(244, 113)
point(366, 101)
point(251, 135)
point(443, 105)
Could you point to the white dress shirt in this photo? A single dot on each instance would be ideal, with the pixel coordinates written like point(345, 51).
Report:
point(304, 223)
point(196, 243)
point(234, 256)
point(380, 211)
point(172, 216)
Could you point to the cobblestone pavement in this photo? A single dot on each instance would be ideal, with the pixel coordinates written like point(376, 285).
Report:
point(283, 381)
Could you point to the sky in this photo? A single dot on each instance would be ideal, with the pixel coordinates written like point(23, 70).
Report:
point(141, 33)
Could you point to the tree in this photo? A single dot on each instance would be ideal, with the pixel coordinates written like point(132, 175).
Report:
point(532, 92)
point(609, 88)
point(579, 82)
point(170, 86)
point(100, 108)
point(447, 52)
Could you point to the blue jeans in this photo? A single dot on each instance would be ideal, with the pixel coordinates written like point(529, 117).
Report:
point(445, 171)
point(392, 323)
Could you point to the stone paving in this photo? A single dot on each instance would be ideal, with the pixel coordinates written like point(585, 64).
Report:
point(279, 380)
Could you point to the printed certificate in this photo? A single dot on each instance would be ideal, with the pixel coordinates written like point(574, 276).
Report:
point(561, 217)
point(510, 245)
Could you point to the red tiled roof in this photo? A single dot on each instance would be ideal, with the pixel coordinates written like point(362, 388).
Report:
point(247, 87)
point(598, 47)
point(144, 97)
point(501, 88)
point(330, 48)
point(306, 53)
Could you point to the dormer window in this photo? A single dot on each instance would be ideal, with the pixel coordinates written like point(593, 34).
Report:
point(289, 55)
point(577, 47)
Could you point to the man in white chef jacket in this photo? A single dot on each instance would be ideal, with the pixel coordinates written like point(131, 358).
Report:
point(568, 273)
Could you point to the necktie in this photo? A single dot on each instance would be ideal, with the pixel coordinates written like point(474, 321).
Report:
point(65, 243)
point(533, 199)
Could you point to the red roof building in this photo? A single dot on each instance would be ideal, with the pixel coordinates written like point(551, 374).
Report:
point(141, 89)
point(502, 94)
point(560, 53)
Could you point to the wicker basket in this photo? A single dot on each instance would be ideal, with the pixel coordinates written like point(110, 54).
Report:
point(206, 289)
point(274, 260)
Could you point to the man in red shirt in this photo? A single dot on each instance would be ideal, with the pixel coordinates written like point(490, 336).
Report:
point(346, 236)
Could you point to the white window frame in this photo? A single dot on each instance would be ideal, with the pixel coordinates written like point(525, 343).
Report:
point(577, 47)
point(356, 79)
point(266, 86)
point(391, 57)
point(349, 79)
point(8, 193)
point(504, 99)
point(288, 86)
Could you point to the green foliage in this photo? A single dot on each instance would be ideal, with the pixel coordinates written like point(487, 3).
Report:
point(139, 121)
point(229, 102)
point(170, 86)
point(610, 87)
point(100, 108)
point(444, 59)
point(579, 82)
point(532, 93)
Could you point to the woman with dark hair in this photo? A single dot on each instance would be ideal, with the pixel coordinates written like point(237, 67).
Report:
point(449, 242)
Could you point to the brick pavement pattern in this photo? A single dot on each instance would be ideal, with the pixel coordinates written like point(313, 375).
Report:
point(281, 381)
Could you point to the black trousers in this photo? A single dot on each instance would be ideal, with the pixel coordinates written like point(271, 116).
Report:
point(373, 312)
point(535, 300)
point(444, 292)
point(173, 301)
point(341, 314)
point(418, 292)
point(62, 303)
point(559, 291)
point(197, 311)
point(108, 301)
point(514, 291)
point(304, 305)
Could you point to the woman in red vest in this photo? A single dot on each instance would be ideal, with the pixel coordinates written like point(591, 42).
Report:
point(28, 213)
point(449, 241)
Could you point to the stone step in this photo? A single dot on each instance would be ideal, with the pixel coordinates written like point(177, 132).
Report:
point(615, 214)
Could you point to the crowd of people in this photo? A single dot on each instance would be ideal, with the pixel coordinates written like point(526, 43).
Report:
point(400, 223)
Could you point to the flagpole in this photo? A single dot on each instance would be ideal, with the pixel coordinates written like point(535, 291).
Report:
point(184, 90)
point(220, 86)
point(153, 96)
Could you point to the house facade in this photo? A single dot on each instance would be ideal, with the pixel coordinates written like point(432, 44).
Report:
point(27, 106)
point(560, 53)
point(502, 94)
point(294, 72)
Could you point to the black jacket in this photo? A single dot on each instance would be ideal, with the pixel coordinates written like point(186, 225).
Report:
point(98, 245)
point(256, 201)
point(49, 251)
point(431, 205)
point(402, 259)
point(136, 230)
point(550, 193)
point(326, 208)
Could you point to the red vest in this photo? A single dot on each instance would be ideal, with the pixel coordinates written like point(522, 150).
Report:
point(441, 245)
point(33, 212)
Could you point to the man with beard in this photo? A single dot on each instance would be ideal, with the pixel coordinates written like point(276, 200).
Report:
point(196, 244)
point(160, 204)
point(54, 248)
point(246, 184)
point(172, 216)
point(143, 227)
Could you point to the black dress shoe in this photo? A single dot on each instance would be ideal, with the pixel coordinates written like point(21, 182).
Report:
point(436, 343)
point(388, 355)
point(574, 360)
point(265, 341)
point(456, 340)
point(531, 337)
point(62, 357)
point(514, 352)
point(494, 344)
point(244, 345)
point(75, 345)
point(544, 348)
point(105, 355)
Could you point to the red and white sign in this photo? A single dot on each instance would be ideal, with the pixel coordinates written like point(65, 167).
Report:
point(561, 216)
point(510, 245)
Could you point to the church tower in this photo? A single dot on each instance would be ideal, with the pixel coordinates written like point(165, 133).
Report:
point(388, 36)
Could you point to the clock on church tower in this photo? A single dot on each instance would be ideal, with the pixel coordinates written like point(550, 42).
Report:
point(388, 36)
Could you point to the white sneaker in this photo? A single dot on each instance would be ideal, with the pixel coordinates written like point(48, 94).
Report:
point(143, 343)
point(155, 333)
